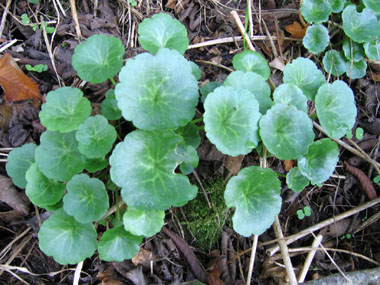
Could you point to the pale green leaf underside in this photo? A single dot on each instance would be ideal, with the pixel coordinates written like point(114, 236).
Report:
point(290, 94)
point(68, 241)
point(231, 120)
point(65, 109)
point(153, 89)
point(86, 199)
point(315, 11)
point(109, 107)
point(98, 58)
point(143, 223)
point(295, 180)
point(352, 50)
point(372, 50)
point(337, 5)
point(316, 38)
point(334, 63)
point(286, 131)
point(255, 193)
point(58, 157)
point(251, 61)
point(163, 31)
point(336, 108)
point(19, 161)
point(320, 161)
point(143, 166)
point(117, 245)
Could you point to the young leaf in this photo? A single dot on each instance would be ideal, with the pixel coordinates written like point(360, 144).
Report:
point(351, 47)
point(19, 160)
point(251, 61)
point(360, 27)
point(320, 161)
point(255, 193)
point(334, 63)
point(109, 107)
point(290, 94)
point(303, 73)
point(357, 69)
point(163, 31)
point(93, 165)
point(337, 5)
point(195, 70)
point(336, 108)
point(153, 88)
point(315, 11)
point(58, 156)
point(208, 88)
point(67, 240)
point(231, 120)
point(190, 134)
point(286, 131)
point(189, 156)
point(296, 30)
point(41, 190)
point(143, 223)
point(116, 245)
point(98, 58)
point(143, 165)
point(295, 180)
point(374, 5)
point(253, 83)
point(65, 109)
point(95, 137)
point(372, 50)
point(316, 38)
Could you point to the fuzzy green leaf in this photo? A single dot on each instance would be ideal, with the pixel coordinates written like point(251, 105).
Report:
point(98, 58)
point(315, 11)
point(251, 61)
point(295, 180)
point(65, 109)
point(351, 47)
point(290, 94)
point(372, 50)
point(255, 193)
point(357, 69)
point(143, 223)
point(109, 107)
point(153, 88)
point(337, 5)
point(316, 38)
point(334, 62)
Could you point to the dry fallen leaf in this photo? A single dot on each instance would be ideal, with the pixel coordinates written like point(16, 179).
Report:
point(233, 163)
point(296, 30)
point(10, 196)
point(16, 85)
point(289, 164)
point(107, 277)
point(143, 257)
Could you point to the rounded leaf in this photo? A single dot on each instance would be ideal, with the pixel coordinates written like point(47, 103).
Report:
point(295, 180)
point(286, 131)
point(356, 70)
point(290, 94)
point(253, 83)
point(93, 165)
point(68, 241)
point(320, 161)
point(372, 50)
point(374, 5)
point(19, 161)
point(251, 61)
point(65, 109)
point(255, 193)
point(316, 38)
point(190, 134)
point(163, 31)
point(86, 199)
point(98, 58)
point(95, 137)
point(360, 27)
point(316, 11)
point(231, 120)
point(195, 70)
point(143, 223)
point(351, 47)
point(336, 108)
point(157, 92)
point(334, 63)
point(41, 190)
point(337, 5)
point(143, 166)
point(109, 107)
point(208, 88)
point(117, 245)
point(303, 73)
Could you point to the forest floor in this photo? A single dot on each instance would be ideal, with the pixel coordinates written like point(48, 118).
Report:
point(202, 226)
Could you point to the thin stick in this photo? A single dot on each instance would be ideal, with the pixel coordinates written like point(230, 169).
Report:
point(250, 21)
point(75, 18)
point(275, 53)
point(203, 189)
point(215, 64)
point(309, 258)
point(252, 259)
point(11, 43)
point(4, 17)
point(242, 29)
point(78, 270)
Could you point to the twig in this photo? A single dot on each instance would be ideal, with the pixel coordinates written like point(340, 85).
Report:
point(75, 18)
point(270, 39)
point(252, 259)
point(309, 258)
point(215, 64)
point(4, 17)
point(11, 43)
point(77, 272)
point(242, 29)
point(250, 21)
point(203, 189)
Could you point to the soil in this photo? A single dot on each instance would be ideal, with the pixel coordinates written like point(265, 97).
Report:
point(197, 241)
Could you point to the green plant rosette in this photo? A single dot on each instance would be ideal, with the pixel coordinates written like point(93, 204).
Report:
point(295, 180)
point(316, 38)
point(143, 223)
point(315, 11)
point(251, 61)
point(335, 63)
point(290, 94)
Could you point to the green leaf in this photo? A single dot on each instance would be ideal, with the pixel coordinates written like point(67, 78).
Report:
point(360, 27)
point(116, 245)
point(190, 134)
point(163, 31)
point(86, 199)
point(286, 131)
point(290, 94)
point(295, 180)
point(316, 38)
point(65, 109)
point(316, 11)
point(143, 166)
point(25, 19)
point(95, 137)
point(303, 73)
point(300, 214)
point(372, 49)
point(253, 83)
point(143, 223)
point(195, 70)
point(153, 89)
point(208, 88)
point(337, 5)
point(255, 193)
point(19, 160)
point(41, 190)
point(68, 241)
point(320, 161)
point(374, 5)
point(356, 50)
point(58, 156)
point(109, 107)
point(37, 68)
point(359, 132)
point(190, 158)
point(356, 70)
point(307, 211)
point(98, 58)
point(93, 165)
point(33, 1)
point(231, 120)
point(334, 63)
point(251, 61)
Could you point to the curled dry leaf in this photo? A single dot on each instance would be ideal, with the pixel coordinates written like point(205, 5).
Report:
point(143, 257)
point(296, 30)
point(364, 181)
point(16, 85)
point(10, 196)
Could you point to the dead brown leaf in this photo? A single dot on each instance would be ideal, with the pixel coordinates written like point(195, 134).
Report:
point(296, 30)
point(233, 163)
point(289, 164)
point(10, 196)
point(107, 277)
point(143, 257)
point(176, 5)
point(16, 85)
